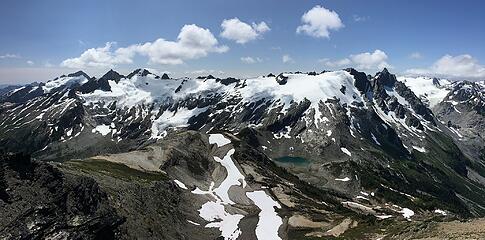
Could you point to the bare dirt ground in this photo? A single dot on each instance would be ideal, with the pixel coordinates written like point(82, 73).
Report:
point(473, 229)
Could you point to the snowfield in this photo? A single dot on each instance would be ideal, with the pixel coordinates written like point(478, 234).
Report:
point(232, 179)
point(269, 221)
point(146, 90)
point(102, 129)
point(423, 87)
point(215, 213)
point(218, 139)
point(63, 82)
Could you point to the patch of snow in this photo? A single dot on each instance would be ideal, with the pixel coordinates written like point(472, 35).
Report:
point(233, 177)
point(346, 179)
point(218, 139)
point(424, 88)
point(346, 151)
point(269, 221)
point(215, 213)
point(63, 82)
point(192, 222)
point(407, 213)
point(173, 119)
point(180, 184)
point(419, 149)
point(439, 211)
point(102, 129)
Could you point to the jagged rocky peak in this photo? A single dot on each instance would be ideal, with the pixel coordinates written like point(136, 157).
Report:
point(112, 75)
point(466, 90)
point(165, 76)
point(79, 74)
point(386, 78)
point(101, 83)
point(270, 75)
point(361, 79)
point(281, 79)
point(206, 77)
point(436, 82)
point(139, 72)
point(466, 93)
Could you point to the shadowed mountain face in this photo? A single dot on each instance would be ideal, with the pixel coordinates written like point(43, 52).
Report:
point(331, 149)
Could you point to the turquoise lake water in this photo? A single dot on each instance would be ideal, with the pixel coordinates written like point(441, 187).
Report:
point(297, 161)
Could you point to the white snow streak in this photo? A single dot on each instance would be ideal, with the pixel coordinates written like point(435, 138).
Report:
point(269, 221)
point(346, 151)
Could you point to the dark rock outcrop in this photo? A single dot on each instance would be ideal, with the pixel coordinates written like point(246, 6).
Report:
point(40, 202)
point(281, 79)
point(165, 76)
point(101, 83)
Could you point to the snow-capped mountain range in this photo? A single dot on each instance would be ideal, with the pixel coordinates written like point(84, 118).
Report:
point(416, 142)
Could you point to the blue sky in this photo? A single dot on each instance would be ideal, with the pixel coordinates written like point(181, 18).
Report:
point(43, 39)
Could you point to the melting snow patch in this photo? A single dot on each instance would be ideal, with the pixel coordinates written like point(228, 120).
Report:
point(212, 211)
point(218, 139)
point(407, 213)
point(102, 129)
point(384, 216)
point(197, 224)
point(439, 211)
point(346, 179)
point(269, 222)
point(232, 179)
point(346, 151)
point(180, 184)
point(419, 149)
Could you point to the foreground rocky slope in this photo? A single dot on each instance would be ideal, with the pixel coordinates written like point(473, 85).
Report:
point(40, 202)
point(332, 154)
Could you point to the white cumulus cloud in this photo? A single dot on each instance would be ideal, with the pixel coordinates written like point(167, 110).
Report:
point(460, 67)
point(193, 42)
point(241, 32)
point(363, 61)
point(250, 60)
point(377, 59)
point(318, 22)
point(30, 62)
point(287, 59)
point(97, 58)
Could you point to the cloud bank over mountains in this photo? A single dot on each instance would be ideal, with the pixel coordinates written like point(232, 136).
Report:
point(458, 67)
point(193, 42)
